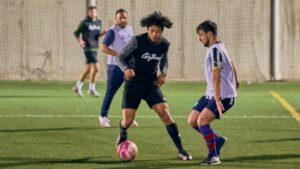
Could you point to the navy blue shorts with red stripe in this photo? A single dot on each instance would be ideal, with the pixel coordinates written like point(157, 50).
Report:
point(210, 104)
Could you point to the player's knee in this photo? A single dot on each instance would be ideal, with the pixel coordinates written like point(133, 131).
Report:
point(127, 122)
point(166, 118)
point(191, 121)
point(201, 120)
point(96, 69)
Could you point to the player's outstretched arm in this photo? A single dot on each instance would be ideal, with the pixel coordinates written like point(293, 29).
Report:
point(125, 53)
point(235, 74)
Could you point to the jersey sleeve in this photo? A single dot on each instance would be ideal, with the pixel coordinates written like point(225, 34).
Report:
point(109, 37)
point(163, 65)
point(79, 30)
point(216, 59)
point(122, 57)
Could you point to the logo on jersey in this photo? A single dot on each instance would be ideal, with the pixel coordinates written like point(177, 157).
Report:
point(94, 27)
point(147, 56)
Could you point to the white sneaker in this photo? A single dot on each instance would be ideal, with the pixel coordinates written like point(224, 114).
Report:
point(104, 122)
point(214, 160)
point(94, 93)
point(134, 124)
point(78, 91)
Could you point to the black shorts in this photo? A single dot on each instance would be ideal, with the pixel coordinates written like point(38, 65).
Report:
point(91, 56)
point(134, 93)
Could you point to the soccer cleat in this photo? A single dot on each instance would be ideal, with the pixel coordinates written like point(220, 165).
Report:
point(120, 140)
point(184, 155)
point(219, 144)
point(134, 124)
point(104, 122)
point(93, 93)
point(211, 161)
point(77, 91)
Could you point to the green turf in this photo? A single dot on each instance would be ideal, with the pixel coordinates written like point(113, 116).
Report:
point(78, 142)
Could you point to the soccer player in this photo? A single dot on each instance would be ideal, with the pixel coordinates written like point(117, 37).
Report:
point(116, 38)
point(140, 61)
point(90, 29)
point(220, 92)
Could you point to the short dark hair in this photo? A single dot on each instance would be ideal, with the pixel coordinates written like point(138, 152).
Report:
point(157, 19)
point(207, 26)
point(121, 10)
point(92, 7)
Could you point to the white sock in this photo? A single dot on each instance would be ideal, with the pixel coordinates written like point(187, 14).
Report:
point(91, 86)
point(79, 84)
point(94, 86)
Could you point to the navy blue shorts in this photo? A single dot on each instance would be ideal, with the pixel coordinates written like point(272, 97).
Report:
point(134, 93)
point(210, 104)
point(91, 56)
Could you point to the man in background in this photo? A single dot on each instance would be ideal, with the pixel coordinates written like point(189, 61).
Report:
point(90, 30)
point(116, 38)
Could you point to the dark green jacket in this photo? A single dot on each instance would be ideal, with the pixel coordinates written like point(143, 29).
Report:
point(90, 31)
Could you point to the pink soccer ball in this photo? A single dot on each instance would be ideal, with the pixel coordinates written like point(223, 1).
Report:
point(127, 150)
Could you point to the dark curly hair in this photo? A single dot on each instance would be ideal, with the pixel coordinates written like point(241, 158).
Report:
point(157, 19)
point(208, 26)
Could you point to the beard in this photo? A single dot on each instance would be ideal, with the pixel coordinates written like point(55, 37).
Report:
point(206, 44)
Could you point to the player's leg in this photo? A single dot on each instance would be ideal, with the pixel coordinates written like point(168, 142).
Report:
point(78, 86)
point(163, 112)
point(203, 121)
point(213, 140)
point(197, 108)
point(127, 119)
point(94, 69)
point(132, 97)
point(115, 78)
point(157, 102)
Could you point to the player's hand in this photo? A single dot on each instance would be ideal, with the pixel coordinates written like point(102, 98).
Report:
point(237, 84)
point(220, 108)
point(81, 43)
point(160, 80)
point(129, 73)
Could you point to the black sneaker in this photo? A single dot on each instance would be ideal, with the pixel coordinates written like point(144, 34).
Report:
point(219, 144)
point(119, 141)
point(184, 155)
point(214, 160)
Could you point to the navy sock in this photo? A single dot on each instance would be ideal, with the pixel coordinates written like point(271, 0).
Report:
point(174, 134)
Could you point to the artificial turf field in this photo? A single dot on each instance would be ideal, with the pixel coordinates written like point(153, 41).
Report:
point(45, 125)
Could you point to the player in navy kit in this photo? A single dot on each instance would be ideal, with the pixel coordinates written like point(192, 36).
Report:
point(140, 61)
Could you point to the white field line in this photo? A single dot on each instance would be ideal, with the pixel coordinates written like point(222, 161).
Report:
point(138, 116)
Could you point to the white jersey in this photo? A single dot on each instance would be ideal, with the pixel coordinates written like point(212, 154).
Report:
point(122, 37)
point(218, 58)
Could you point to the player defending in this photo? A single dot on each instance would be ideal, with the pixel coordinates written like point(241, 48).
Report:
point(116, 38)
point(140, 60)
point(220, 93)
point(91, 30)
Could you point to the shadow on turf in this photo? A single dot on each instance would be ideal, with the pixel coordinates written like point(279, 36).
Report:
point(277, 140)
point(48, 129)
point(115, 164)
point(29, 96)
point(263, 157)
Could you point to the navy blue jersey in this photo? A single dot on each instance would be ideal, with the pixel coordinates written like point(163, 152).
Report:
point(90, 31)
point(144, 57)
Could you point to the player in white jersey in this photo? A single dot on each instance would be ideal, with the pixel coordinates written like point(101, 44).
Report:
point(221, 79)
